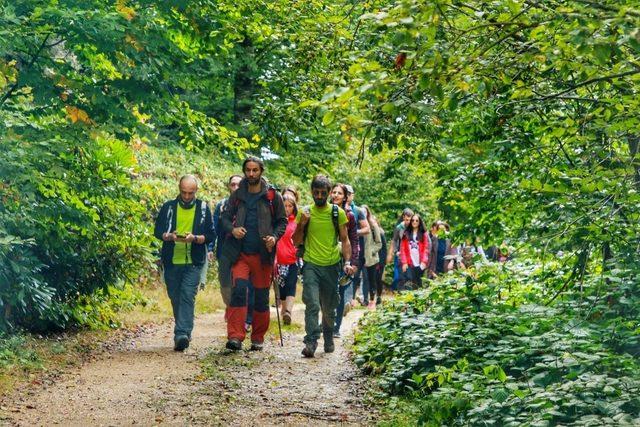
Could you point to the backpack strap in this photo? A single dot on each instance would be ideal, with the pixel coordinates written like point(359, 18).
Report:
point(271, 195)
point(334, 218)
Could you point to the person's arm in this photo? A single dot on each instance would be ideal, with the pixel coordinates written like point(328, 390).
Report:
point(346, 250)
point(404, 256)
point(280, 217)
point(364, 227)
point(226, 217)
point(216, 225)
point(424, 256)
point(353, 240)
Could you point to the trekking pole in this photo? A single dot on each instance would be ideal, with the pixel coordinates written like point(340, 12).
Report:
point(275, 292)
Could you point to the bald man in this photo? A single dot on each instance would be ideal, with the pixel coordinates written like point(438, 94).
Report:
point(185, 226)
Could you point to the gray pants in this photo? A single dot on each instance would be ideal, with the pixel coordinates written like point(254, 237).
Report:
point(182, 287)
point(319, 293)
point(224, 276)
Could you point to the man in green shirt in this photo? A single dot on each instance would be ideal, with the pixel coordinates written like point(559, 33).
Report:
point(185, 226)
point(319, 228)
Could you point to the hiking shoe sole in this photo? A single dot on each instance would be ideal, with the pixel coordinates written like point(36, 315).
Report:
point(309, 349)
point(257, 346)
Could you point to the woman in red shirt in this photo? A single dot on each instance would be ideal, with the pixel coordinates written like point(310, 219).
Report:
point(414, 250)
point(286, 261)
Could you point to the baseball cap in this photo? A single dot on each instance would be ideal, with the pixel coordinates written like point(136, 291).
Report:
point(349, 189)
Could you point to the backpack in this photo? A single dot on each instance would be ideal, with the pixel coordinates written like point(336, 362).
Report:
point(335, 211)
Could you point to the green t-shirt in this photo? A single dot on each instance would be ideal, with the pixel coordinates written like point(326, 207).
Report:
point(320, 246)
point(184, 226)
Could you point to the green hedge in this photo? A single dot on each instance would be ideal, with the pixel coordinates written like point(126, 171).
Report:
point(476, 349)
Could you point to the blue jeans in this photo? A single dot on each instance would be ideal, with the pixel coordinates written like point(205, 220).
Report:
point(345, 296)
point(182, 287)
point(251, 300)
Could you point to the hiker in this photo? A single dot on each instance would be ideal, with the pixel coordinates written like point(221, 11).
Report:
point(339, 197)
point(442, 252)
point(291, 190)
point(319, 229)
point(393, 254)
point(372, 246)
point(253, 222)
point(224, 269)
point(415, 249)
point(287, 261)
point(363, 229)
point(185, 226)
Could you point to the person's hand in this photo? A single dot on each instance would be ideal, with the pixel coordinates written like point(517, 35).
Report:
point(423, 266)
point(210, 256)
point(304, 217)
point(169, 237)
point(239, 232)
point(349, 269)
point(269, 242)
point(405, 267)
point(190, 238)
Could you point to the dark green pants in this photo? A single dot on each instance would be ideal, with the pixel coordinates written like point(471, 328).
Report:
point(319, 293)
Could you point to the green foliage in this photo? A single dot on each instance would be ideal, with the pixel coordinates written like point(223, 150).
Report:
point(476, 350)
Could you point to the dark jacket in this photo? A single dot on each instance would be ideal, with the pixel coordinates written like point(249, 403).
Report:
point(202, 225)
point(268, 224)
point(433, 261)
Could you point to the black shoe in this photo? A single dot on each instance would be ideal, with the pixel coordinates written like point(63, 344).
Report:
point(234, 345)
point(309, 349)
point(181, 343)
point(329, 346)
point(256, 346)
point(378, 301)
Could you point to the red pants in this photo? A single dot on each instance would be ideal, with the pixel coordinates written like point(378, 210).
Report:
point(249, 269)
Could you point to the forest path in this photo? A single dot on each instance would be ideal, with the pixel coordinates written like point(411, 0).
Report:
point(142, 381)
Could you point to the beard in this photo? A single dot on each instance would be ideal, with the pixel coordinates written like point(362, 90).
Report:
point(253, 181)
point(320, 202)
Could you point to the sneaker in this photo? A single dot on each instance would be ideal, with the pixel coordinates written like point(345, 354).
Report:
point(181, 343)
point(329, 346)
point(234, 345)
point(286, 318)
point(309, 349)
point(256, 346)
point(371, 305)
point(247, 327)
point(336, 334)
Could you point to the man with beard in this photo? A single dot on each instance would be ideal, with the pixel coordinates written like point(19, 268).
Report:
point(253, 221)
point(185, 226)
point(319, 228)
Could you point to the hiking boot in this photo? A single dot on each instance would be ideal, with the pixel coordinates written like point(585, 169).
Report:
point(336, 334)
point(234, 345)
point(378, 301)
point(256, 346)
point(329, 346)
point(309, 349)
point(286, 318)
point(181, 343)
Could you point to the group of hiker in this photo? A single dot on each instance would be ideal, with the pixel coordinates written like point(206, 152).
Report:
point(260, 236)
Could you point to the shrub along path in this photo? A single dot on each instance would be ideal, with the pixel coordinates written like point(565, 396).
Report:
point(144, 382)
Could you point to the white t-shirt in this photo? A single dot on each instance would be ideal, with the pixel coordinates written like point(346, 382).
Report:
point(414, 249)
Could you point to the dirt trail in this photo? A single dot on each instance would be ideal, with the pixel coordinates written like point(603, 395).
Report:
point(144, 382)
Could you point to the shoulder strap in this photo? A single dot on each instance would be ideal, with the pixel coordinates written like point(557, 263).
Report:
point(334, 218)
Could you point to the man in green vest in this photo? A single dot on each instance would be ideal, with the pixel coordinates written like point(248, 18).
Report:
point(185, 226)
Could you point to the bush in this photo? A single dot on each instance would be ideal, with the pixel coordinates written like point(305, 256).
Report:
point(468, 351)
